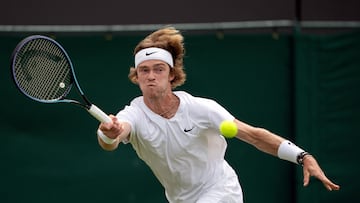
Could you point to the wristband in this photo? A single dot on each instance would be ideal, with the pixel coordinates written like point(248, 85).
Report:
point(105, 138)
point(290, 152)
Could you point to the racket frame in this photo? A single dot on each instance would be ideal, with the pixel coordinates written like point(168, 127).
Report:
point(74, 80)
point(91, 108)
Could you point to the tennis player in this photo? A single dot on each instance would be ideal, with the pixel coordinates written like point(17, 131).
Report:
point(177, 135)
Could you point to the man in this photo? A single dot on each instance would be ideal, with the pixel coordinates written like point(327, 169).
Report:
point(177, 135)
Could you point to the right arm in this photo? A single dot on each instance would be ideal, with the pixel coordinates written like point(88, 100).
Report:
point(116, 130)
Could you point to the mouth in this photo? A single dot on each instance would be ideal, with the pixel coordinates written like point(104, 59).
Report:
point(151, 85)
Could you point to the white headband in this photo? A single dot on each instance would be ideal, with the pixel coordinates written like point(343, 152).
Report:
point(153, 53)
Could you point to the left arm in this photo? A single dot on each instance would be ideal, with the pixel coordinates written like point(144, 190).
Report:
point(269, 142)
point(260, 138)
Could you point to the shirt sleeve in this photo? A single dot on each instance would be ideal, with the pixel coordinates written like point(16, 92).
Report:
point(128, 114)
point(215, 112)
point(218, 113)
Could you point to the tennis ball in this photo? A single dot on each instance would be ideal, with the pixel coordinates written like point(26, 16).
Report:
point(228, 129)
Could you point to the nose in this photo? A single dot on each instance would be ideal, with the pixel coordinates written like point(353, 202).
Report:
point(151, 75)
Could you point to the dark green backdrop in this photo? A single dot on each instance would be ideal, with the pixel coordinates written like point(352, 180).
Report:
point(303, 87)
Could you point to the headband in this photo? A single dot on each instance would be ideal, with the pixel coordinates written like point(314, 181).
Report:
point(153, 53)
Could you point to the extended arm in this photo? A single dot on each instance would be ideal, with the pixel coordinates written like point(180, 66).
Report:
point(275, 145)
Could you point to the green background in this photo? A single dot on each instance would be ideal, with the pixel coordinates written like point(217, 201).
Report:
point(300, 86)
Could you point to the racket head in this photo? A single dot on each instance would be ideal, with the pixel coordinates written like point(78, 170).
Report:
point(41, 69)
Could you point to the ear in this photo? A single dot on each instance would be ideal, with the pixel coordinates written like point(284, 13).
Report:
point(136, 78)
point(171, 76)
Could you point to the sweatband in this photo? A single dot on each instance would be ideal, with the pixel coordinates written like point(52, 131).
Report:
point(153, 53)
point(289, 151)
point(105, 138)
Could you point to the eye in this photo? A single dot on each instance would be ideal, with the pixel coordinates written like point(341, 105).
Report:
point(158, 70)
point(143, 70)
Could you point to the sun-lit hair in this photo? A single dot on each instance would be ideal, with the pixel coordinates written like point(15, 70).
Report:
point(171, 40)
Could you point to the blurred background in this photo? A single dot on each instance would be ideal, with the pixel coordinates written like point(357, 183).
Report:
point(292, 67)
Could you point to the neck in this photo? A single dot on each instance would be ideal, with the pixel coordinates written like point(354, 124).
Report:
point(165, 106)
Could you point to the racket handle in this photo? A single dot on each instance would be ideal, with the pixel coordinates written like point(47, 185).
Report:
point(99, 114)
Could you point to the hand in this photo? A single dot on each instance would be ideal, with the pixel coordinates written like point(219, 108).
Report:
point(112, 130)
point(312, 168)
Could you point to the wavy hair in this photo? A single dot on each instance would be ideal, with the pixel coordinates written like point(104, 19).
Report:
point(171, 40)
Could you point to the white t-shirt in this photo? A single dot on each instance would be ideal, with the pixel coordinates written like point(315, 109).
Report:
point(186, 152)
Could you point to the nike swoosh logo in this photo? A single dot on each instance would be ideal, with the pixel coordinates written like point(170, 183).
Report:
point(188, 130)
point(148, 54)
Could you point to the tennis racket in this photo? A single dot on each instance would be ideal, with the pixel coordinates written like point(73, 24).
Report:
point(42, 70)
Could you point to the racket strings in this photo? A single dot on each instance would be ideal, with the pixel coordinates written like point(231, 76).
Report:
point(42, 70)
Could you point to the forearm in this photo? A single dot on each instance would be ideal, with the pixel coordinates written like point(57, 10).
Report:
point(260, 138)
point(270, 143)
point(265, 141)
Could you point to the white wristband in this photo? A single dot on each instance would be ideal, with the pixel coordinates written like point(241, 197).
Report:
point(289, 151)
point(105, 138)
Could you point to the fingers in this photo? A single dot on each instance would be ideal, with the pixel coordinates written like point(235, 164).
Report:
point(113, 129)
point(306, 178)
point(113, 118)
point(330, 185)
point(311, 168)
point(334, 187)
point(109, 126)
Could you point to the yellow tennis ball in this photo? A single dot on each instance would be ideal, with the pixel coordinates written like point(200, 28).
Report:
point(228, 129)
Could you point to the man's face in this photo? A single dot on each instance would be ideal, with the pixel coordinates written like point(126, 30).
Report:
point(153, 77)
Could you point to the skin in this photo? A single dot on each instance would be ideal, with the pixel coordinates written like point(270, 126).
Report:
point(154, 79)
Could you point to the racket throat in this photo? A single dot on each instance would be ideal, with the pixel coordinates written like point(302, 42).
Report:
point(87, 102)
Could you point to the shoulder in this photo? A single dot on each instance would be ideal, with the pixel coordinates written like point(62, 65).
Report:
point(134, 108)
point(137, 101)
point(195, 100)
point(203, 109)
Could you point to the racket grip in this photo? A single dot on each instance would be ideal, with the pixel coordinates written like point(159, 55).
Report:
point(99, 114)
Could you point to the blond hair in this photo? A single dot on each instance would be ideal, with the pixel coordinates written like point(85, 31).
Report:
point(171, 40)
